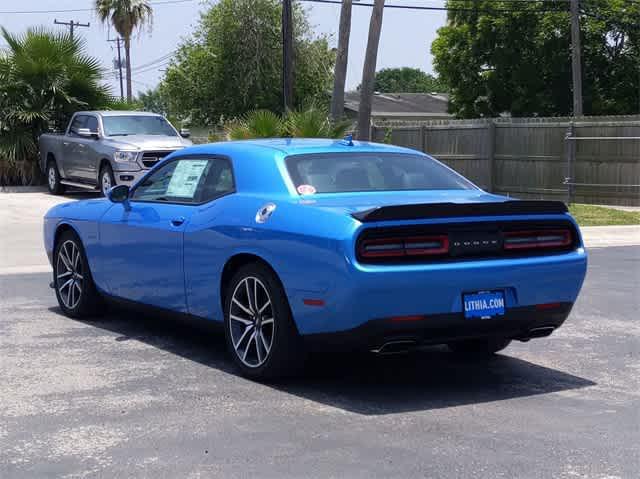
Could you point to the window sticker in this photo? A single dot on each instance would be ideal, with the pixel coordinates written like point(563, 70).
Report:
point(186, 177)
point(306, 190)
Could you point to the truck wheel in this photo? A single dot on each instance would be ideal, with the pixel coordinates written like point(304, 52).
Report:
point(107, 181)
point(53, 179)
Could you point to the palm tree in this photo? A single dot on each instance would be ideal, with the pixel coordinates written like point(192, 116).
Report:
point(369, 71)
point(125, 16)
point(337, 99)
point(311, 121)
point(44, 78)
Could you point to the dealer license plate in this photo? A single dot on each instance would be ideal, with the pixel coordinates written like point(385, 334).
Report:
point(483, 304)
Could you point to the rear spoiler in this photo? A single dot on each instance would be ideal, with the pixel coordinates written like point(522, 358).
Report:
point(448, 210)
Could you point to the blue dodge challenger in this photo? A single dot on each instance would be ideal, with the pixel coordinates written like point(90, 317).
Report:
point(297, 244)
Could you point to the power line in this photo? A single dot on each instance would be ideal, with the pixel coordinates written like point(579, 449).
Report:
point(157, 60)
point(151, 68)
point(444, 9)
point(71, 10)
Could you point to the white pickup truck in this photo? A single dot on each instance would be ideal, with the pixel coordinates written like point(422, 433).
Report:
point(101, 149)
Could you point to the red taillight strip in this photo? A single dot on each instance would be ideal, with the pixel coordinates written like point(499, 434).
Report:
point(537, 239)
point(410, 246)
point(426, 245)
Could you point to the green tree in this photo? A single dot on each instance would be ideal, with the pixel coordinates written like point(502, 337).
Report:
point(407, 80)
point(232, 64)
point(517, 59)
point(153, 100)
point(44, 78)
point(125, 16)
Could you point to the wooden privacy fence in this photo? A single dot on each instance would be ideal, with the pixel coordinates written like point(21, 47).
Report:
point(594, 159)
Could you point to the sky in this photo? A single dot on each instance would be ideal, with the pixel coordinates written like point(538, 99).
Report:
point(405, 40)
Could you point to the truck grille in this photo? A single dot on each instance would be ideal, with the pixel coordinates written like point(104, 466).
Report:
point(458, 241)
point(150, 158)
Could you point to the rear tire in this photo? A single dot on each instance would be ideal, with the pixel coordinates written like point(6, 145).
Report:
point(261, 334)
point(107, 180)
point(53, 179)
point(479, 347)
point(75, 290)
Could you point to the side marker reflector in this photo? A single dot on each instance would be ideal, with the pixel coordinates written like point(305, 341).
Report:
point(547, 306)
point(313, 302)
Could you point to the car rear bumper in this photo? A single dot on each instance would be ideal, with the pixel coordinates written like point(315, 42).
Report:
point(386, 335)
point(364, 294)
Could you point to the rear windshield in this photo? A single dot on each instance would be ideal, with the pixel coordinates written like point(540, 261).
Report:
point(124, 125)
point(345, 172)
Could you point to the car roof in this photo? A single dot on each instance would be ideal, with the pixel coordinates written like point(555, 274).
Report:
point(117, 113)
point(295, 146)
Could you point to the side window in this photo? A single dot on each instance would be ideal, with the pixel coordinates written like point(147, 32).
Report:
point(219, 180)
point(78, 122)
point(92, 123)
point(189, 180)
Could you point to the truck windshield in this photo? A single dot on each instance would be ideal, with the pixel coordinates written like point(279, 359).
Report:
point(351, 172)
point(136, 125)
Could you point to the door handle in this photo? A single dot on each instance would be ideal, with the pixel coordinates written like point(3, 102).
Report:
point(177, 221)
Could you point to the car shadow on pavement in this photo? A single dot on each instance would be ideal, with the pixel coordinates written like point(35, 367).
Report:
point(78, 194)
point(431, 378)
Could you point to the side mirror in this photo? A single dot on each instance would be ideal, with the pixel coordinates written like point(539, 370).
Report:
point(87, 133)
point(119, 194)
point(185, 133)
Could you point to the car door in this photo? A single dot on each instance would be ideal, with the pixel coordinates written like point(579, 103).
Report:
point(141, 242)
point(85, 162)
point(70, 150)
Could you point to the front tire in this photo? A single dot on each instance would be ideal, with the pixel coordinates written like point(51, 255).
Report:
point(53, 179)
point(259, 328)
point(479, 347)
point(107, 180)
point(75, 290)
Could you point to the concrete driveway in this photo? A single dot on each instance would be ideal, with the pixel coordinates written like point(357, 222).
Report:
point(134, 396)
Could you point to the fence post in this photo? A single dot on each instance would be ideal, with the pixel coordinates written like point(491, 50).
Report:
point(570, 146)
point(491, 153)
point(423, 138)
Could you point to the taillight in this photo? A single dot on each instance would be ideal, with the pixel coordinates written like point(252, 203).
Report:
point(410, 246)
point(536, 239)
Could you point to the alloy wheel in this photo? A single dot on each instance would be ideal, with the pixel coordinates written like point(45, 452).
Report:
point(69, 274)
point(251, 322)
point(52, 177)
point(106, 183)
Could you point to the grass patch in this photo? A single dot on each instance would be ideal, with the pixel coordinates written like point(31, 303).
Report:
point(589, 215)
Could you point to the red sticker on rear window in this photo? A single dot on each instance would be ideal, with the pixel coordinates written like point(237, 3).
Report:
point(306, 190)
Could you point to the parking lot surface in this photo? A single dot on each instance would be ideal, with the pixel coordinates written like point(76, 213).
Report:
point(128, 395)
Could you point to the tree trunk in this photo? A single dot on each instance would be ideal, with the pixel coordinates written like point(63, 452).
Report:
point(369, 71)
point(127, 59)
point(340, 76)
point(287, 54)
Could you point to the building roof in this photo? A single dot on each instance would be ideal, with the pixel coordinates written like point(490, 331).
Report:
point(401, 104)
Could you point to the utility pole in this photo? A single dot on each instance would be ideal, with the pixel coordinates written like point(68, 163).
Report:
point(72, 25)
point(576, 64)
point(287, 54)
point(369, 72)
point(340, 75)
point(118, 42)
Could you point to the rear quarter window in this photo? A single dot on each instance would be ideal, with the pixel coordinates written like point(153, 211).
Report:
point(362, 172)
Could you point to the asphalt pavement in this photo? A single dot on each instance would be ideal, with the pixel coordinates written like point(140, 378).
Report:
point(138, 396)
